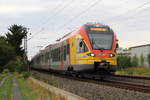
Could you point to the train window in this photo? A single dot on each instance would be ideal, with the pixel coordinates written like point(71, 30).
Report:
point(46, 57)
point(81, 46)
point(59, 51)
point(68, 49)
point(55, 54)
point(84, 47)
point(65, 52)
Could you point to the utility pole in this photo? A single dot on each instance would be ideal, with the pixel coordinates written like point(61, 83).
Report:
point(26, 51)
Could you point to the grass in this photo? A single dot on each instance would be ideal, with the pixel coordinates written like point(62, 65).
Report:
point(6, 90)
point(2, 76)
point(134, 71)
point(29, 90)
point(33, 91)
point(52, 82)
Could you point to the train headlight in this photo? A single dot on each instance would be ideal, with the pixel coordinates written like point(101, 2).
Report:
point(112, 55)
point(91, 54)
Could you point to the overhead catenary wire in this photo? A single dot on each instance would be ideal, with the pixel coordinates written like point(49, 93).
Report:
point(81, 13)
point(51, 17)
point(129, 11)
point(60, 10)
point(95, 3)
point(35, 34)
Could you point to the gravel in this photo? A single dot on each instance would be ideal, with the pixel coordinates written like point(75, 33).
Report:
point(93, 91)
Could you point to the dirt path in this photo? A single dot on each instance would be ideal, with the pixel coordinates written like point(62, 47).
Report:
point(16, 91)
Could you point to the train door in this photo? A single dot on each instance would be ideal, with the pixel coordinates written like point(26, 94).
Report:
point(81, 51)
point(49, 60)
point(61, 57)
point(65, 55)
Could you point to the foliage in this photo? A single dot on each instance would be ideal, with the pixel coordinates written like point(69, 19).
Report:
point(14, 37)
point(135, 61)
point(6, 92)
point(6, 52)
point(15, 65)
point(135, 71)
point(124, 61)
point(26, 75)
point(33, 91)
point(142, 59)
point(148, 59)
point(5, 71)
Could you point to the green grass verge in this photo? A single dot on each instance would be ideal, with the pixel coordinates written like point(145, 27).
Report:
point(33, 91)
point(2, 75)
point(26, 91)
point(6, 90)
point(134, 71)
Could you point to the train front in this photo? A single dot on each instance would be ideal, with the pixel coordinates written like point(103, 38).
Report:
point(101, 41)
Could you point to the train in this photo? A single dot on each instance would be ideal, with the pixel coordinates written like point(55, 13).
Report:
point(91, 47)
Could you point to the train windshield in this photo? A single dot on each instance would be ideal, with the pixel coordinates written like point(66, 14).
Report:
point(101, 40)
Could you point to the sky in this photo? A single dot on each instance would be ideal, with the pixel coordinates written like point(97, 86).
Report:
point(49, 20)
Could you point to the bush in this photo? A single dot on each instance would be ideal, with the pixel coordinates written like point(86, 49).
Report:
point(148, 59)
point(11, 66)
point(6, 71)
point(26, 75)
point(142, 59)
point(135, 61)
point(16, 65)
point(124, 61)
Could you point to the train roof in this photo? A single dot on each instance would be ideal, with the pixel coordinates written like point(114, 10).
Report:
point(88, 25)
point(65, 37)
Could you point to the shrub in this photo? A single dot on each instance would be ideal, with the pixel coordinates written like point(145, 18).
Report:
point(26, 75)
point(148, 59)
point(142, 59)
point(11, 66)
point(6, 71)
point(135, 61)
point(16, 65)
point(124, 61)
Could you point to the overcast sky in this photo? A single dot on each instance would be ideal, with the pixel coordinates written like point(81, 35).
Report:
point(49, 20)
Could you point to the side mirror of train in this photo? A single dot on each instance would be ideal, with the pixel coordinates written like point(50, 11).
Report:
point(117, 44)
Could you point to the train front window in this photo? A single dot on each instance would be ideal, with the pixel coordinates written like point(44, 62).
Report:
point(101, 40)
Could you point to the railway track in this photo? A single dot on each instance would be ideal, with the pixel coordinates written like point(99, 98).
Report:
point(141, 84)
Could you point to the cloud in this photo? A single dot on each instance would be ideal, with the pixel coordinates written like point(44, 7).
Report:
point(131, 28)
point(19, 9)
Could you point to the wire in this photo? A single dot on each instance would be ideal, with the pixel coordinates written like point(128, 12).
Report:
point(81, 13)
point(58, 11)
point(35, 34)
point(129, 11)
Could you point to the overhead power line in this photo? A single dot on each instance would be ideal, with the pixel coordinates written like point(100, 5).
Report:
point(50, 17)
point(81, 13)
point(35, 34)
point(129, 11)
point(58, 10)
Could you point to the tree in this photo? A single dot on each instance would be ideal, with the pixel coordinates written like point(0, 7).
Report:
point(6, 52)
point(148, 59)
point(15, 36)
point(142, 59)
point(135, 61)
point(124, 61)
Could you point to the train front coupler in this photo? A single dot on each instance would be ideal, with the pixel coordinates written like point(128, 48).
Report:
point(102, 67)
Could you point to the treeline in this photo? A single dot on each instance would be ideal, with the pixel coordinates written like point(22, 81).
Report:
point(124, 61)
point(11, 51)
